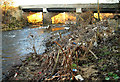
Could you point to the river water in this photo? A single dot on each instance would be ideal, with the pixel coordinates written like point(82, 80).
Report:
point(17, 44)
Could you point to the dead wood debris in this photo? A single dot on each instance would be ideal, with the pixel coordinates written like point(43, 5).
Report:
point(63, 63)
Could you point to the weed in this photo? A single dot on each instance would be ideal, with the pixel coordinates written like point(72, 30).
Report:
point(101, 60)
point(74, 65)
point(115, 76)
point(107, 78)
point(112, 75)
point(29, 59)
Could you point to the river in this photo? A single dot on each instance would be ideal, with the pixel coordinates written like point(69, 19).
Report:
point(17, 44)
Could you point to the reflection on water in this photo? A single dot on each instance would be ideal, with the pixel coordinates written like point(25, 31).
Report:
point(16, 44)
point(55, 29)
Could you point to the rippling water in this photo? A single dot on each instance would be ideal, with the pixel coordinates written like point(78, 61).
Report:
point(17, 44)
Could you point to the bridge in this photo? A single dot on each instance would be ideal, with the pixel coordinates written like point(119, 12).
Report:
point(50, 10)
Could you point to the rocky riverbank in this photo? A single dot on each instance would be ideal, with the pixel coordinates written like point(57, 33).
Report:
point(89, 52)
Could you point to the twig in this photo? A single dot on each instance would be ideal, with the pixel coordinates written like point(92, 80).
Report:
point(55, 63)
point(77, 58)
point(69, 60)
point(60, 35)
point(34, 50)
point(81, 18)
point(90, 46)
point(59, 45)
point(63, 61)
point(62, 51)
point(93, 54)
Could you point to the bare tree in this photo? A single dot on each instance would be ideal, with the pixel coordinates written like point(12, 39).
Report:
point(5, 7)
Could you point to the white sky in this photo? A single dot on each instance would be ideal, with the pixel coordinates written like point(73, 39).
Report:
point(34, 2)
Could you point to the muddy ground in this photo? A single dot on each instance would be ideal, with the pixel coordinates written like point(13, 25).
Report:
point(89, 52)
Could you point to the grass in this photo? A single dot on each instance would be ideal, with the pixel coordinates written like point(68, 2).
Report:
point(9, 29)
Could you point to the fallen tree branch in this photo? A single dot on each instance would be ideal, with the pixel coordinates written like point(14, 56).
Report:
point(62, 51)
point(34, 50)
point(93, 54)
point(55, 63)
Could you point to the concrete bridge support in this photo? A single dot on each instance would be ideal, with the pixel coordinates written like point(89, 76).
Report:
point(47, 17)
point(24, 17)
point(78, 17)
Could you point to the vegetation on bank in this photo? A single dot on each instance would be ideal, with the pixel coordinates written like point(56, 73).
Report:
point(88, 53)
point(10, 22)
point(12, 25)
point(12, 19)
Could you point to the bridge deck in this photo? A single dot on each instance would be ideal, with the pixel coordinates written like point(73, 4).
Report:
point(112, 8)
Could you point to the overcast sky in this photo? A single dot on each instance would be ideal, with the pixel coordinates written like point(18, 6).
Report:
point(33, 2)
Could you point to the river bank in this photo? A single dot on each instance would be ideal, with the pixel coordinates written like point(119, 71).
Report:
point(89, 52)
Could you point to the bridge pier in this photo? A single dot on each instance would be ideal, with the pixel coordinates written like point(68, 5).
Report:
point(78, 18)
point(47, 17)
